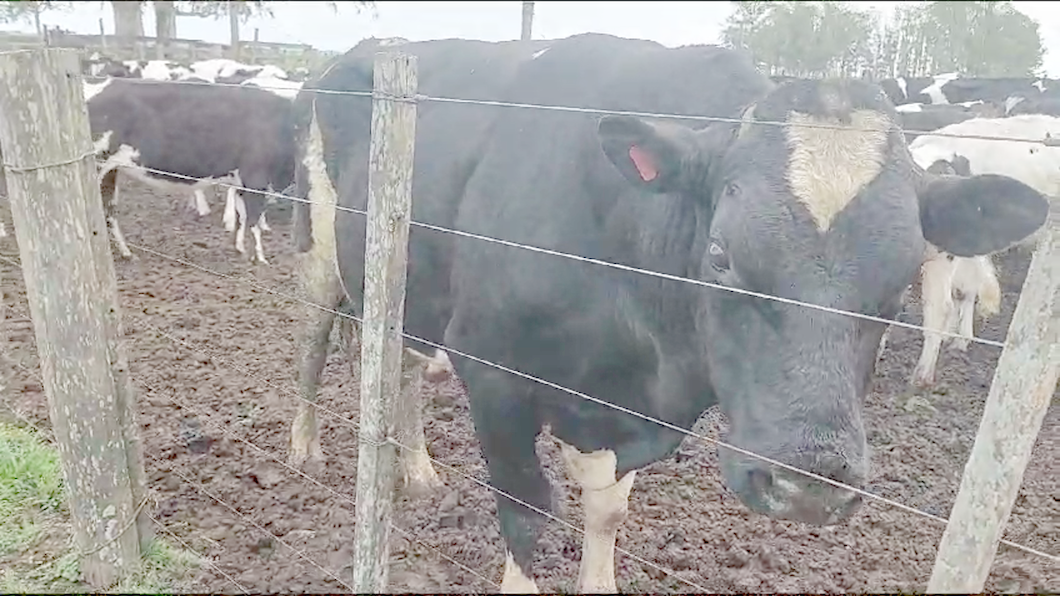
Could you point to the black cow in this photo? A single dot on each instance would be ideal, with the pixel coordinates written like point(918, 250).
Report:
point(333, 133)
point(839, 218)
point(200, 131)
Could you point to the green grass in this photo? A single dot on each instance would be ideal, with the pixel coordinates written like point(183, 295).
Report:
point(36, 550)
point(31, 486)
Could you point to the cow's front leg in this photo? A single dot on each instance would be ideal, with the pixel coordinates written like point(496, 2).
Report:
point(605, 502)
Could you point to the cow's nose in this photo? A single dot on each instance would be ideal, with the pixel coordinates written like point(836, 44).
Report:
point(789, 494)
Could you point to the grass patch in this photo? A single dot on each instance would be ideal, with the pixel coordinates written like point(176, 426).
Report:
point(31, 486)
point(36, 547)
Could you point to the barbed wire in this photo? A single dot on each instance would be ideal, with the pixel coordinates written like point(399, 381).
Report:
point(609, 264)
point(356, 426)
point(246, 519)
point(512, 371)
point(182, 403)
point(419, 97)
point(201, 557)
point(645, 417)
point(581, 395)
point(199, 412)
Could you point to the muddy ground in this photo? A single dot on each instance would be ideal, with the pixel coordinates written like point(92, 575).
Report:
point(223, 380)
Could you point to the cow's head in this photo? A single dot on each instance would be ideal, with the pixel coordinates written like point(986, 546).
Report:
point(829, 210)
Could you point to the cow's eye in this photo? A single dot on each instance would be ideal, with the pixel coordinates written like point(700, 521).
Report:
point(719, 259)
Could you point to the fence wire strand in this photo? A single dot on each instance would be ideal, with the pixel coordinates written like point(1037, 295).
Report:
point(246, 519)
point(51, 440)
point(687, 432)
point(202, 558)
point(634, 413)
point(482, 483)
point(186, 405)
point(670, 426)
point(617, 266)
point(420, 97)
point(182, 403)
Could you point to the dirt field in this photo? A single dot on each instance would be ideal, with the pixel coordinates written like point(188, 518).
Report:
point(234, 375)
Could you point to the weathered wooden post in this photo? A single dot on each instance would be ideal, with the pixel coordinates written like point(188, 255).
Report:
point(1023, 386)
point(72, 290)
point(528, 20)
point(385, 259)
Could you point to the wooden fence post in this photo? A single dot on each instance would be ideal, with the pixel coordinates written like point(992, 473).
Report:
point(385, 258)
point(72, 290)
point(528, 20)
point(1023, 386)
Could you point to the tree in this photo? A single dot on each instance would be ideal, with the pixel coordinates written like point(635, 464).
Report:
point(128, 18)
point(240, 11)
point(982, 39)
point(803, 38)
point(30, 10)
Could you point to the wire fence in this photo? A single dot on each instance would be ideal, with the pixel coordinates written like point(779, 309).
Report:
point(1046, 139)
point(271, 456)
point(264, 453)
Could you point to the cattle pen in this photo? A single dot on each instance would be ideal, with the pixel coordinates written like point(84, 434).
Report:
point(186, 356)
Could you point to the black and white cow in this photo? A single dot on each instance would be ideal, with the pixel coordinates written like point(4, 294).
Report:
point(955, 288)
point(951, 88)
point(919, 118)
point(835, 215)
point(334, 139)
point(200, 131)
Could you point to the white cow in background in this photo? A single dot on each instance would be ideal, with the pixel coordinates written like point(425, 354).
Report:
point(952, 285)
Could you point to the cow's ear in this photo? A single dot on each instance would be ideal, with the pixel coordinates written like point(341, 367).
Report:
point(978, 215)
point(650, 156)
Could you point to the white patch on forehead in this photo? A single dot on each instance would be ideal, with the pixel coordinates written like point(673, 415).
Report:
point(539, 53)
point(909, 107)
point(829, 163)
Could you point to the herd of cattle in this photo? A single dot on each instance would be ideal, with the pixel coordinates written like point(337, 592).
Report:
point(837, 207)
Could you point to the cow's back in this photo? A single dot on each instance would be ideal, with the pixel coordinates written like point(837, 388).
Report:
point(201, 130)
point(448, 138)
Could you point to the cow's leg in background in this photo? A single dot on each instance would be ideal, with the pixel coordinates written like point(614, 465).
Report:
point(199, 199)
point(419, 478)
point(108, 190)
point(605, 504)
point(241, 222)
point(253, 209)
point(229, 217)
point(936, 300)
point(321, 286)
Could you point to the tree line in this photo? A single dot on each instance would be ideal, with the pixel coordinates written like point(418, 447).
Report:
point(828, 38)
point(128, 14)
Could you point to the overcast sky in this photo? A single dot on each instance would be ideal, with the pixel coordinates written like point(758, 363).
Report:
point(669, 23)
